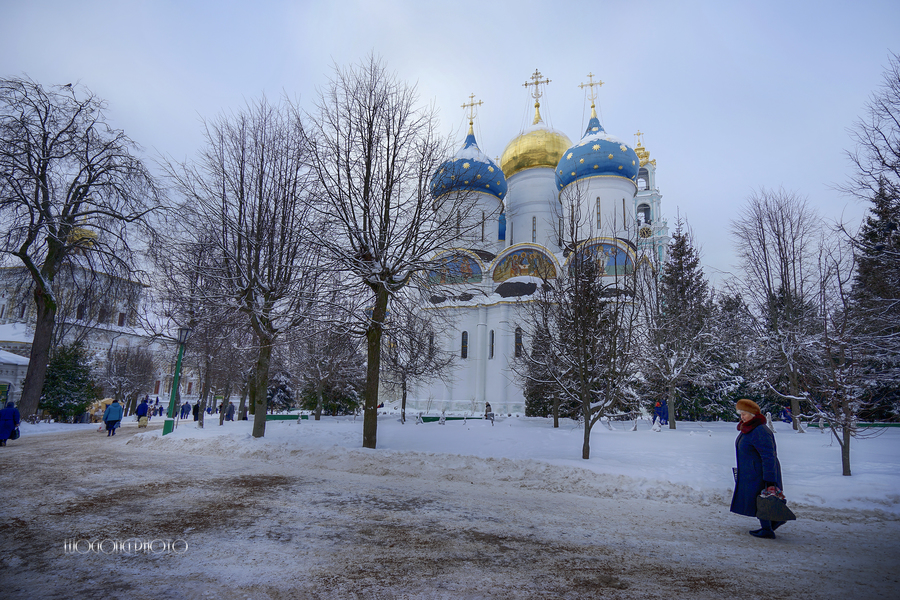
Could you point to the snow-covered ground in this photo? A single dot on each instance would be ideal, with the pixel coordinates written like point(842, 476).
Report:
point(460, 510)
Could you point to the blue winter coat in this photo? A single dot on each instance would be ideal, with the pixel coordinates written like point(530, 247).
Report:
point(757, 462)
point(113, 412)
point(142, 409)
point(9, 420)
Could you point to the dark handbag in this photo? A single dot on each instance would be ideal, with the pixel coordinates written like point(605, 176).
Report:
point(773, 508)
point(14, 434)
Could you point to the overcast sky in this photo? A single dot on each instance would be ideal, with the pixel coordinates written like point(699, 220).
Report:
point(732, 96)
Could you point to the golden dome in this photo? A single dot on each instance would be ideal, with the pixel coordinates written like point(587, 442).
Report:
point(81, 236)
point(539, 147)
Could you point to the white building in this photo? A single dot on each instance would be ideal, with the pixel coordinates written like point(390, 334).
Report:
point(544, 188)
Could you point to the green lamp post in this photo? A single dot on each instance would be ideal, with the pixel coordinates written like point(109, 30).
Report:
point(169, 424)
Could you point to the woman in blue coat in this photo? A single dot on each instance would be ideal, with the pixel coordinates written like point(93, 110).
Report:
point(757, 466)
point(112, 415)
point(9, 420)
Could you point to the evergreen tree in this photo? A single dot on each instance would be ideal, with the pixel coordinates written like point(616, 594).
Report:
point(678, 307)
point(876, 302)
point(280, 394)
point(69, 387)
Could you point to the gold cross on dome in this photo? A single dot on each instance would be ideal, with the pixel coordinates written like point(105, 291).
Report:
point(537, 83)
point(471, 106)
point(639, 137)
point(591, 85)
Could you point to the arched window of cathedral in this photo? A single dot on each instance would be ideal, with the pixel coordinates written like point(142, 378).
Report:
point(643, 213)
point(79, 312)
point(430, 344)
point(464, 348)
point(533, 229)
point(458, 222)
point(643, 180)
point(24, 310)
point(491, 354)
point(2, 311)
point(519, 345)
point(599, 224)
point(121, 319)
point(560, 241)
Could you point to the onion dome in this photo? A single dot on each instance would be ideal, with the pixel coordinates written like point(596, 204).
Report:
point(642, 153)
point(598, 154)
point(538, 146)
point(470, 169)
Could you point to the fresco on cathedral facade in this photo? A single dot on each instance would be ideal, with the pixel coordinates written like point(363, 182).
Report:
point(455, 268)
point(613, 259)
point(526, 261)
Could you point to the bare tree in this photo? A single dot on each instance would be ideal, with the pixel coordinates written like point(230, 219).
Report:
point(876, 156)
point(129, 371)
point(779, 236)
point(329, 361)
point(71, 193)
point(841, 376)
point(374, 152)
point(251, 185)
point(412, 354)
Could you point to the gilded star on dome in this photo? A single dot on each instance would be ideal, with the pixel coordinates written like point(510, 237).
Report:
point(479, 176)
point(569, 156)
point(620, 167)
point(595, 147)
point(581, 161)
point(610, 155)
point(490, 169)
point(466, 165)
point(623, 148)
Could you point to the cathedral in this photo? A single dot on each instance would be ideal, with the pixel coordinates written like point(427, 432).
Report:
point(545, 192)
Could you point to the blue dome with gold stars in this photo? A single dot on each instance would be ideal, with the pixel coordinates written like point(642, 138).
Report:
point(598, 154)
point(470, 169)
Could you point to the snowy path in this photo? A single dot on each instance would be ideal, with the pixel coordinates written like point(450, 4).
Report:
point(354, 527)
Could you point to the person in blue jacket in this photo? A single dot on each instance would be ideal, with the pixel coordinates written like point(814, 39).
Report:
point(9, 420)
point(786, 415)
point(142, 412)
point(757, 466)
point(111, 416)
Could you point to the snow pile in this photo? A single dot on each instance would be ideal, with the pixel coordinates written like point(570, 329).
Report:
point(691, 464)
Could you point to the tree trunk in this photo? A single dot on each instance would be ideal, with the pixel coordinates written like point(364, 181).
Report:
point(204, 395)
point(556, 412)
point(373, 339)
point(671, 405)
point(40, 354)
point(795, 403)
point(260, 382)
point(319, 399)
point(242, 411)
point(586, 446)
point(403, 401)
point(845, 451)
